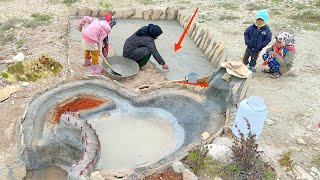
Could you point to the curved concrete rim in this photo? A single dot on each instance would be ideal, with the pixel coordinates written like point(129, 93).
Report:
point(206, 115)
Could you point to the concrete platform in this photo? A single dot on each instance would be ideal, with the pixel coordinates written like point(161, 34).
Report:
point(188, 59)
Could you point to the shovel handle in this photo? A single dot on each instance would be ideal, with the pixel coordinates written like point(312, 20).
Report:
point(104, 59)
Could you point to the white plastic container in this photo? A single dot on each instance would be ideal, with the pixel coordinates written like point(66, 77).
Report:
point(255, 111)
point(192, 77)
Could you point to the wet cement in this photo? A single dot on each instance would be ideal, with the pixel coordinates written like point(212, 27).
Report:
point(186, 60)
point(135, 138)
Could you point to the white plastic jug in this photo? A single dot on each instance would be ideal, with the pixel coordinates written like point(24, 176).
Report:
point(191, 77)
point(255, 112)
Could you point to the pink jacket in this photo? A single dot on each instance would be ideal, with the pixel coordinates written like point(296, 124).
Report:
point(96, 31)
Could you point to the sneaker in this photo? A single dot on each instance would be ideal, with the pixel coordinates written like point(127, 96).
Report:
point(252, 69)
point(267, 71)
point(275, 75)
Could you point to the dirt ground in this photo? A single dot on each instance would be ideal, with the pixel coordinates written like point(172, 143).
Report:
point(293, 99)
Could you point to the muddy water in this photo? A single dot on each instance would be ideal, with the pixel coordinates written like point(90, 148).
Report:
point(51, 173)
point(136, 138)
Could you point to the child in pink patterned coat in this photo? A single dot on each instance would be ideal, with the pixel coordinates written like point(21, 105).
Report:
point(92, 39)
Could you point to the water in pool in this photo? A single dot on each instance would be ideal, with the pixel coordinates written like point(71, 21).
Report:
point(137, 137)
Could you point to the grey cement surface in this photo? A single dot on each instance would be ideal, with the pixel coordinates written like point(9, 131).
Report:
point(186, 60)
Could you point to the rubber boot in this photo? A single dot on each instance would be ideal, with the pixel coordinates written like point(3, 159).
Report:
point(86, 62)
point(96, 69)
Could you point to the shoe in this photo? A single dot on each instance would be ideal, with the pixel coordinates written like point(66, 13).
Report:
point(96, 69)
point(86, 62)
point(252, 69)
point(267, 71)
point(275, 75)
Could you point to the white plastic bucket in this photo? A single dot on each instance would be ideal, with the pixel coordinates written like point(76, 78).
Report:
point(255, 112)
point(192, 77)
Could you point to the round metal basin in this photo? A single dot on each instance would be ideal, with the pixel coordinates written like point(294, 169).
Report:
point(124, 66)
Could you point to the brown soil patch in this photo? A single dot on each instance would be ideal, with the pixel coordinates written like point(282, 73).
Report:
point(167, 174)
point(77, 104)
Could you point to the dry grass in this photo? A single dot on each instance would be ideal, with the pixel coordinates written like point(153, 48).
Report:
point(7, 38)
point(228, 17)
point(230, 5)
point(146, 2)
point(37, 20)
point(309, 16)
point(286, 161)
point(256, 6)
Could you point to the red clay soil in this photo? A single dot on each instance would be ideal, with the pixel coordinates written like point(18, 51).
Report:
point(78, 104)
point(165, 175)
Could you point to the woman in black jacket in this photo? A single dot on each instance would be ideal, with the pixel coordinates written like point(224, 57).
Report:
point(140, 46)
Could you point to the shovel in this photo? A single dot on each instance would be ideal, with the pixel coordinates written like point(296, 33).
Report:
point(113, 72)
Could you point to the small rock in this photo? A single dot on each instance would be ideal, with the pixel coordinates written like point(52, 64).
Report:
point(6, 92)
point(19, 57)
point(301, 173)
point(313, 174)
point(178, 167)
point(290, 174)
point(96, 176)
point(205, 135)
point(315, 170)
point(224, 141)
point(294, 71)
point(269, 122)
point(219, 152)
point(4, 172)
point(24, 84)
point(19, 172)
point(188, 175)
point(217, 178)
point(301, 141)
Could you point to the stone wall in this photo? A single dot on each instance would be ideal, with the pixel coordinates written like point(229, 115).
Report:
point(202, 36)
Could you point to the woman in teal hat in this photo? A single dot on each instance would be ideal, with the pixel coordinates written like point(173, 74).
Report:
point(256, 37)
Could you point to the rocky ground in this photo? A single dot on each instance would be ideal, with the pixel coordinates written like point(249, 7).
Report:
point(293, 99)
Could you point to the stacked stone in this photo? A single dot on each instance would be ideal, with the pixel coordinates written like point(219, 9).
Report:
point(169, 13)
point(91, 145)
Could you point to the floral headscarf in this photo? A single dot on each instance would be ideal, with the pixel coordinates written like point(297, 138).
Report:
point(286, 39)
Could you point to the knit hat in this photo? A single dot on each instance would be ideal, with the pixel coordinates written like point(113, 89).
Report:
point(264, 15)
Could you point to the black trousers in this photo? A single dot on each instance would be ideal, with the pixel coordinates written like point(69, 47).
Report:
point(254, 56)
